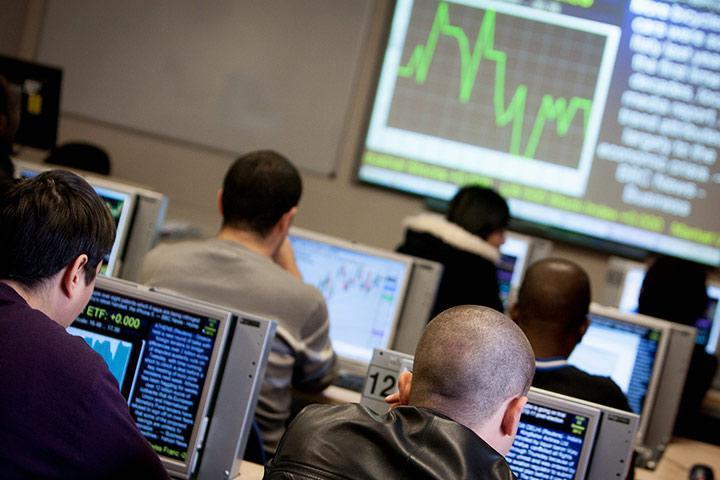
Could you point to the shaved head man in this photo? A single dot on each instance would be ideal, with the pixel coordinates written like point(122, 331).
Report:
point(455, 416)
point(552, 309)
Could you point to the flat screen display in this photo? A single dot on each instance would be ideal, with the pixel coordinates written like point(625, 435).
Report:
point(550, 443)
point(38, 88)
point(511, 267)
point(624, 351)
point(598, 117)
point(364, 292)
point(163, 358)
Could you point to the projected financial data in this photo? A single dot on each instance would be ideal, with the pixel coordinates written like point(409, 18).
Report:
point(364, 294)
point(548, 444)
point(625, 352)
point(598, 117)
point(160, 356)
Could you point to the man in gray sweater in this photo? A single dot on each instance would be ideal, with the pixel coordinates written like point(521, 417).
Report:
point(249, 266)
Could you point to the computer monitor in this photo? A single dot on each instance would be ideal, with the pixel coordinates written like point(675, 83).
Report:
point(516, 255)
point(419, 302)
point(166, 352)
point(364, 289)
point(558, 437)
point(138, 212)
point(38, 87)
point(630, 349)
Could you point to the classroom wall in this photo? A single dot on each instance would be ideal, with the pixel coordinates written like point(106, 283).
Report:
point(191, 175)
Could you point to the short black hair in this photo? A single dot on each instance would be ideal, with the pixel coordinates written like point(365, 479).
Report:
point(47, 222)
point(674, 289)
point(479, 210)
point(259, 188)
point(81, 156)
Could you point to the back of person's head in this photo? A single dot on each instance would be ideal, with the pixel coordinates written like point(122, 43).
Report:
point(554, 298)
point(674, 290)
point(258, 190)
point(479, 210)
point(81, 156)
point(47, 222)
point(469, 361)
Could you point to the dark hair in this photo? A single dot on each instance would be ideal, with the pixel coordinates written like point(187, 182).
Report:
point(479, 210)
point(47, 222)
point(259, 189)
point(81, 156)
point(674, 290)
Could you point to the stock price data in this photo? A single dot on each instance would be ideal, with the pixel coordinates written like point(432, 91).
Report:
point(597, 117)
point(160, 357)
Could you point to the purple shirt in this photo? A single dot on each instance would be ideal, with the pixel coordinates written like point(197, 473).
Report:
point(61, 413)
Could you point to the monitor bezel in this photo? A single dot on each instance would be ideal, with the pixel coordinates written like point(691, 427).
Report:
point(648, 322)
point(351, 363)
point(713, 344)
point(507, 248)
point(571, 405)
point(175, 467)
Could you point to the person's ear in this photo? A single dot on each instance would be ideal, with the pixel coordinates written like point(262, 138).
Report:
point(219, 202)
point(287, 219)
point(514, 312)
point(74, 276)
point(404, 387)
point(511, 417)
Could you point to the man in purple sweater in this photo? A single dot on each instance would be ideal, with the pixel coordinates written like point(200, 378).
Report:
point(61, 413)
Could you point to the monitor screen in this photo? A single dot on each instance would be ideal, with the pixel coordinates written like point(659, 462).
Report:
point(625, 351)
point(364, 290)
point(120, 201)
point(710, 324)
point(163, 354)
point(38, 87)
point(591, 116)
point(552, 442)
point(511, 267)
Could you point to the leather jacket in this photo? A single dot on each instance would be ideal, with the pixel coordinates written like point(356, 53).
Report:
point(351, 442)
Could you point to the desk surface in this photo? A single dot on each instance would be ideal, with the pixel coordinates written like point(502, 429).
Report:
point(674, 465)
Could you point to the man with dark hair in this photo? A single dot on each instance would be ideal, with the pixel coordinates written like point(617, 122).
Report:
point(466, 241)
point(250, 267)
point(9, 120)
point(455, 416)
point(552, 309)
point(61, 411)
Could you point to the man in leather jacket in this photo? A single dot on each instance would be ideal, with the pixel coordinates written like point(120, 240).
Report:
point(454, 417)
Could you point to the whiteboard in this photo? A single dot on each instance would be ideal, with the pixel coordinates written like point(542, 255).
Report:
point(230, 75)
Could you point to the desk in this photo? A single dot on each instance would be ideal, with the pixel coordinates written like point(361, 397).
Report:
point(680, 455)
point(250, 471)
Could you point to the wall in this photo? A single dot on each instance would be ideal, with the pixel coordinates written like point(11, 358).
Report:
point(191, 176)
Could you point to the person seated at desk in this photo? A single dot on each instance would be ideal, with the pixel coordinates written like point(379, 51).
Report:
point(552, 309)
point(466, 242)
point(676, 290)
point(250, 267)
point(455, 416)
point(61, 412)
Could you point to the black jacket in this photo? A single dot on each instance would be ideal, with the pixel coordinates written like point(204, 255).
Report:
point(470, 274)
point(350, 442)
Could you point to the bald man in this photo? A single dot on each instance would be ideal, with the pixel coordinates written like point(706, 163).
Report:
point(552, 309)
point(456, 414)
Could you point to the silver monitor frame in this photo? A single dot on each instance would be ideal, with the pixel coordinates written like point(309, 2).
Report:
point(184, 469)
point(350, 365)
point(660, 356)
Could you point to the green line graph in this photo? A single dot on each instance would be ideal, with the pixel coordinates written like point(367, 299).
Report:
point(559, 110)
